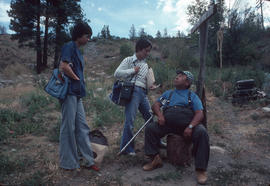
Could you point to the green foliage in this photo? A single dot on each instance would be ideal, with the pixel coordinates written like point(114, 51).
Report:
point(55, 132)
point(163, 73)
point(36, 179)
point(132, 32)
point(9, 120)
point(30, 121)
point(8, 166)
point(105, 32)
point(103, 111)
point(35, 102)
point(3, 29)
point(241, 39)
point(125, 50)
point(216, 77)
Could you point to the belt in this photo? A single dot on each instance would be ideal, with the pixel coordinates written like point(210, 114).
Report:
point(140, 87)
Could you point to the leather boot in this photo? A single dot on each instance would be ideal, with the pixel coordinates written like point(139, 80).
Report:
point(156, 163)
point(201, 177)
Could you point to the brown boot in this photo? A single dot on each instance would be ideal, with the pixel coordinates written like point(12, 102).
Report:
point(156, 163)
point(201, 177)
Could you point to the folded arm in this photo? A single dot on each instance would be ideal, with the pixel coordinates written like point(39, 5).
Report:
point(65, 67)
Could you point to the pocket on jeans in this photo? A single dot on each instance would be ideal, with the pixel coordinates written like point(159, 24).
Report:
point(76, 86)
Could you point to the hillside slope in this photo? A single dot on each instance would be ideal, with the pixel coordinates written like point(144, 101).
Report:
point(239, 136)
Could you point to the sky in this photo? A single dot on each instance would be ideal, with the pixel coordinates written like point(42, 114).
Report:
point(152, 15)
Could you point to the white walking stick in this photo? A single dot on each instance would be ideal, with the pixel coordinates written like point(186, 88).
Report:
point(124, 148)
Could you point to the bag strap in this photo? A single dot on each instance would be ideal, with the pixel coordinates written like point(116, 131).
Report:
point(189, 99)
point(170, 95)
point(134, 74)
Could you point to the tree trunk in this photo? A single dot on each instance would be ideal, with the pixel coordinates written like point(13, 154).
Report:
point(38, 41)
point(45, 45)
point(57, 43)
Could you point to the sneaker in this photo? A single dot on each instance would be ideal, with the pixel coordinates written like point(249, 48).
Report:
point(156, 163)
point(201, 177)
point(131, 154)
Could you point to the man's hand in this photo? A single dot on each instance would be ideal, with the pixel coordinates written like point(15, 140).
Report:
point(137, 69)
point(187, 133)
point(161, 120)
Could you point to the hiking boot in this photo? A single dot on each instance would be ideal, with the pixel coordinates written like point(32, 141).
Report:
point(156, 163)
point(201, 177)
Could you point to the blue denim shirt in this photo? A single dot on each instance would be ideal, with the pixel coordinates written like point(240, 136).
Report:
point(72, 55)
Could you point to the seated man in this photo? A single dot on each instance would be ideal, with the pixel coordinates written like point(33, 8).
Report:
point(182, 114)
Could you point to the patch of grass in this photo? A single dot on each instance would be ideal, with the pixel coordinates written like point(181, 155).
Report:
point(215, 128)
point(173, 175)
point(8, 166)
point(236, 152)
point(30, 121)
point(8, 120)
point(35, 102)
point(103, 111)
point(36, 179)
point(261, 137)
point(255, 116)
point(221, 176)
point(55, 132)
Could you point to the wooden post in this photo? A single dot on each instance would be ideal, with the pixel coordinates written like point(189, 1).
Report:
point(202, 25)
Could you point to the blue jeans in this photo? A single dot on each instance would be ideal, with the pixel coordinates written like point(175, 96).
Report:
point(139, 101)
point(74, 134)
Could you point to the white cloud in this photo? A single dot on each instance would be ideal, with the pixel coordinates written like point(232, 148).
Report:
point(99, 9)
point(3, 12)
point(175, 11)
point(151, 22)
point(168, 6)
point(146, 2)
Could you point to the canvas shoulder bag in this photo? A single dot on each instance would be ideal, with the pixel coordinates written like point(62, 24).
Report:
point(57, 85)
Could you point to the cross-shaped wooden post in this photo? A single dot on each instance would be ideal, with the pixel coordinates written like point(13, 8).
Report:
point(202, 25)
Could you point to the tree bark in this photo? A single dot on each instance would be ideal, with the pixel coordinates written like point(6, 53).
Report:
point(38, 41)
point(45, 45)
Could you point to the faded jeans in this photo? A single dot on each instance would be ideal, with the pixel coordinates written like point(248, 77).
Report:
point(139, 101)
point(74, 134)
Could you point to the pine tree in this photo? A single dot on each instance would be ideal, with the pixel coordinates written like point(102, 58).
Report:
point(3, 29)
point(26, 25)
point(103, 32)
point(132, 32)
point(65, 13)
point(158, 34)
point(142, 33)
point(165, 34)
point(108, 34)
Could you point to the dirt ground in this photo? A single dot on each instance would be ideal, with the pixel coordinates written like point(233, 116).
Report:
point(239, 138)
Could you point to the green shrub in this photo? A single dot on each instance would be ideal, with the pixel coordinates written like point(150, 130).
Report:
point(8, 166)
point(9, 121)
point(35, 102)
point(55, 132)
point(36, 179)
point(125, 50)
